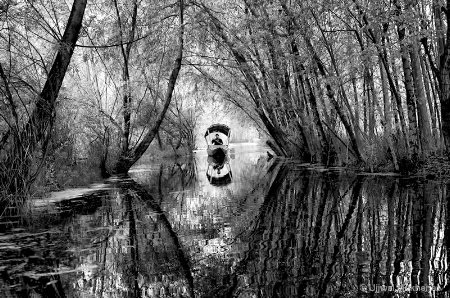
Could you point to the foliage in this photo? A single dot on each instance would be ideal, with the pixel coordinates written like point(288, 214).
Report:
point(312, 73)
point(30, 85)
point(337, 83)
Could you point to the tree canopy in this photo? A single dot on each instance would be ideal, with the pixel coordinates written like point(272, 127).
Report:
point(344, 82)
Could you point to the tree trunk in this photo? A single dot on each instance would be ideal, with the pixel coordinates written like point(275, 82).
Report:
point(126, 89)
point(331, 95)
point(445, 98)
point(128, 158)
point(428, 86)
point(439, 29)
point(409, 85)
point(355, 95)
point(399, 107)
point(423, 121)
point(346, 124)
point(387, 115)
point(366, 103)
point(444, 55)
point(316, 116)
point(253, 86)
point(299, 69)
point(39, 126)
point(382, 54)
point(370, 102)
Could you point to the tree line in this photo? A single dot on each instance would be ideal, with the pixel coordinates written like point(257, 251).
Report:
point(341, 82)
point(350, 82)
point(99, 95)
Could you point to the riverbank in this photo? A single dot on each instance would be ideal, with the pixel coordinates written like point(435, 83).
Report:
point(84, 173)
point(434, 167)
point(67, 174)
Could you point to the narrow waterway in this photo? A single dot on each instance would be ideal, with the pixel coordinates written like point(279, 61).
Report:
point(259, 228)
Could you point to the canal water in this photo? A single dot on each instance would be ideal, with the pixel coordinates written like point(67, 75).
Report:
point(261, 228)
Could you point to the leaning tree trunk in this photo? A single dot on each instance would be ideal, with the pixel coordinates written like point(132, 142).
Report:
point(444, 65)
point(38, 129)
point(253, 86)
point(387, 114)
point(411, 100)
point(129, 157)
point(428, 91)
point(316, 118)
point(423, 119)
point(382, 54)
point(345, 121)
point(445, 98)
point(331, 95)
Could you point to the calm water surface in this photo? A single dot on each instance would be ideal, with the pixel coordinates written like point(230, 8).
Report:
point(259, 229)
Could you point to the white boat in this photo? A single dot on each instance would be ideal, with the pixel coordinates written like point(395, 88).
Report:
point(218, 151)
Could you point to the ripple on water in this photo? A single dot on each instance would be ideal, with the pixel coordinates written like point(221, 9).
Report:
point(280, 229)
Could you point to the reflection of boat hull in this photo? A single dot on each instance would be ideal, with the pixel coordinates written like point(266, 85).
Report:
point(214, 161)
point(217, 151)
point(219, 181)
point(218, 172)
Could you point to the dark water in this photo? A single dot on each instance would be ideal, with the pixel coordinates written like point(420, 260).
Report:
point(270, 229)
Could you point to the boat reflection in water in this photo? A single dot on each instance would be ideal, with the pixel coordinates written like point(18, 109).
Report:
point(280, 229)
point(219, 170)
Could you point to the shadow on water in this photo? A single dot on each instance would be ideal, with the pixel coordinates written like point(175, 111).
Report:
point(277, 229)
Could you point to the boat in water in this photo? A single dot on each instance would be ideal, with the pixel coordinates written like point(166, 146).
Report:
point(217, 147)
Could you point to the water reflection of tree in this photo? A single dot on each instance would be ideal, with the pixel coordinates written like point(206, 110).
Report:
point(151, 258)
point(42, 247)
point(121, 243)
point(316, 236)
point(311, 235)
point(171, 176)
